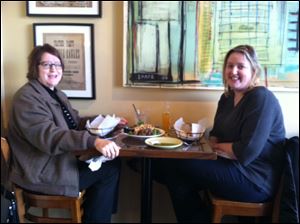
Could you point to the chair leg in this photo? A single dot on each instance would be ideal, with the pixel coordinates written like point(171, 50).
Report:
point(20, 204)
point(76, 212)
point(217, 214)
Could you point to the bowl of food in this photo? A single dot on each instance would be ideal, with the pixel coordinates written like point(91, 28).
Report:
point(102, 125)
point(189, 135)
point(101, 131)
point(189, 131)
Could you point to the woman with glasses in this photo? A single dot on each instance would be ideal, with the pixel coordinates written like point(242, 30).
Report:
point(44, 130)
point(247, 134)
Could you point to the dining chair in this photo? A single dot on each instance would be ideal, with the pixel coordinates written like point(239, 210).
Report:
point(223, 207)
point(284, 206)
point(26, 200)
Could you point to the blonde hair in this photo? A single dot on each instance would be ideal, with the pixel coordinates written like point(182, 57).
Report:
point(250, 54)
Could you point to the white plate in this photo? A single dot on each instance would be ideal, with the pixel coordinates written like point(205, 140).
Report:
point(164, 142)
point(161, 133)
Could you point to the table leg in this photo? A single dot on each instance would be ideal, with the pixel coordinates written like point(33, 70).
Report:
point(146, 191)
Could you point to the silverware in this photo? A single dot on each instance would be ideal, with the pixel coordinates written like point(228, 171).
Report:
point(187, 146)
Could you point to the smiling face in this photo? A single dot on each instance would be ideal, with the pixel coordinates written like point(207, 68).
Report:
point(241, 69)
point(238, 73)
point(50, 70)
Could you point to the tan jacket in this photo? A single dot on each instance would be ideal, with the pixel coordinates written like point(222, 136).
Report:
point(42, 143)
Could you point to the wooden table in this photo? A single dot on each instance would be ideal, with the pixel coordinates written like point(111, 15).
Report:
point(135, 147)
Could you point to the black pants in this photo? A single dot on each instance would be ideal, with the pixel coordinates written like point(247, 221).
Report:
point(186, 178)
point(101, 189)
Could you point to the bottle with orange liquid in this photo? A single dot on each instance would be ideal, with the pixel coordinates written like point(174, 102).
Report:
point(166, 118)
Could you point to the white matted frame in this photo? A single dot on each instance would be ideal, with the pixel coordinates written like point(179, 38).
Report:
point(75, 43)
point(64, 8)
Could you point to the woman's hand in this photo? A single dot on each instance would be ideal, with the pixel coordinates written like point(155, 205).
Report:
point(108, 148)
point(224, 149)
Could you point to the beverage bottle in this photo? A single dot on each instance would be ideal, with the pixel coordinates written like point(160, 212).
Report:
point(166, 118)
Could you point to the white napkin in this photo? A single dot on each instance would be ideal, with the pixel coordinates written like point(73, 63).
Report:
point(96, 122)
point(103, 124)
point(96, 162)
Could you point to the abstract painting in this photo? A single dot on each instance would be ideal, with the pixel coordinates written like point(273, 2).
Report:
point(182, 44)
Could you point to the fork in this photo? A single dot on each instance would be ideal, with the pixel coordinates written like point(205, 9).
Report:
point(187, 146)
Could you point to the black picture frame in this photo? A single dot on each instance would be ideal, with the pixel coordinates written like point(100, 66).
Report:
point(76, 45)
point(64, 8)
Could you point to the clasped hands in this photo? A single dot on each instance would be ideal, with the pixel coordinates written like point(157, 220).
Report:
point(223, 149)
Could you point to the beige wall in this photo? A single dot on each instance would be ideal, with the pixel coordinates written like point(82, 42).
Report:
point(111, 97)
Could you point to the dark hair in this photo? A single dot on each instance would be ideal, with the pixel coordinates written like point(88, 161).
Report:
point(249, 52)
point(35, 57)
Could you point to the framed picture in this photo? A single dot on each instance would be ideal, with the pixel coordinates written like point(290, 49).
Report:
point(76, 45)
point(64, 8)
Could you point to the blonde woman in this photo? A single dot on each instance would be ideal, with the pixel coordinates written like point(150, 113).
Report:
point(247, 134)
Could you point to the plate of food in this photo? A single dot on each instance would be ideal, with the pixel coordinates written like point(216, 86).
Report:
point(164, 142)
point(143, 131)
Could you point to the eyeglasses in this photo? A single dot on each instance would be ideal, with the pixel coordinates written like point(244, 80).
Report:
point(48, 65)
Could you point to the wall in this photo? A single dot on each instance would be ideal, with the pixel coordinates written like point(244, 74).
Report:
point(111, 97)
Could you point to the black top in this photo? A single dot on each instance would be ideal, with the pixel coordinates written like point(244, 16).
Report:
point(256, 128)
point(67, 115)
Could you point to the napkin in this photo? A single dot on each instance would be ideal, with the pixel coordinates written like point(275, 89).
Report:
point(96, 162)
point(103, 124)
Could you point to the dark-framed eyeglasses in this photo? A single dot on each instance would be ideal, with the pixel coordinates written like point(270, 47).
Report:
point(48, 65)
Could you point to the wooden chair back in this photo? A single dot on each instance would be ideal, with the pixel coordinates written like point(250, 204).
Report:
point(26, 200)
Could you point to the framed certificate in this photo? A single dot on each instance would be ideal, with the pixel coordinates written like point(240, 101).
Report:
point(75, 44)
